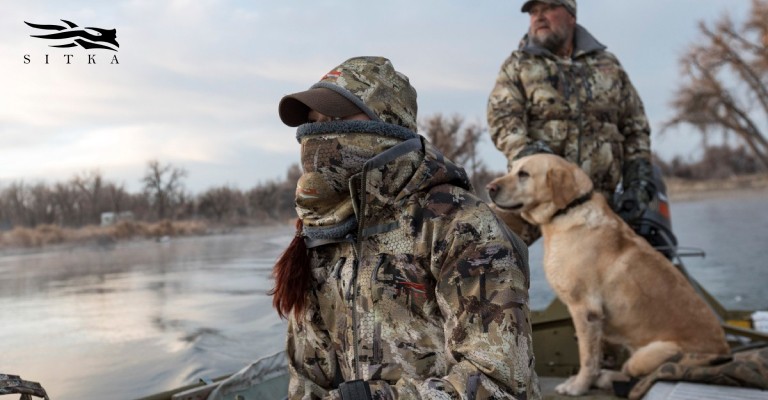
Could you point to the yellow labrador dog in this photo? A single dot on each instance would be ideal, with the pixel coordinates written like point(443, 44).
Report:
point(615, 285)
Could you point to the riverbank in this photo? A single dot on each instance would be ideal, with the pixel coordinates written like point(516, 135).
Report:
point(691, 190)
point(52, 235)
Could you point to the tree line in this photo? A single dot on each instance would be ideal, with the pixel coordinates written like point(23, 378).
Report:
point(81, 200)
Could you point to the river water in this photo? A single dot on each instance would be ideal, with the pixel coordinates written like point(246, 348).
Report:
point(138, 318)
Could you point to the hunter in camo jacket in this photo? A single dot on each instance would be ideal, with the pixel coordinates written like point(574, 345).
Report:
point(418, 290)
point(574, 100)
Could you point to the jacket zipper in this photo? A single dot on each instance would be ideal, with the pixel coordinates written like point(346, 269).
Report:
point(357, 247)
point(353, 305)
point(352, 300)
point(580, 112)
point(583, 73)
point(564, 74)
point(376, 333)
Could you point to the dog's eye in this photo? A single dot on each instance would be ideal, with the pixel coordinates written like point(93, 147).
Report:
point(522, 174)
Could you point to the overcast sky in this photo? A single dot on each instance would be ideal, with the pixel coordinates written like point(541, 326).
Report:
point(198, 81)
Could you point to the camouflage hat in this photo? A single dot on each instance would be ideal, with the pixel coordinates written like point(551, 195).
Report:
point(569, 5)
point(369, 83)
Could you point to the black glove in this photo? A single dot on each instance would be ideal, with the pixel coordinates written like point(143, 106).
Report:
point(533, 148)
point(638, 190)
point(633, 202)
point(355, 390)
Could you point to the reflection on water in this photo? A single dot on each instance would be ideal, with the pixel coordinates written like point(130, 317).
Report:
point(138, 318)
point(131, 319)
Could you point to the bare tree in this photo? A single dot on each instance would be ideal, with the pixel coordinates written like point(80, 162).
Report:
point(75, 203)
point(116, 196)
point(139, 204)
point(16, 202)
point(26, 205)
point(163, 184)
point(64, 200)
point(275, 200)
point(222, 204)
point(456, 141)
point(41, 207)
point(89, 187)
point(717, 162)
point(725, 81)
point(459, 143)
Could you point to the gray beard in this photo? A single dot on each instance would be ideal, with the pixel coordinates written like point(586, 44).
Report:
point(553, 42)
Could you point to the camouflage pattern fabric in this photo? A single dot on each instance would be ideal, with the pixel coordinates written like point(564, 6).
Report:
point(373, 85)
point(569, 5)
point(13, 384)
point(328, 161)
point(584, 108)
point(429, 302)
point(744, 369)
point(528, 232)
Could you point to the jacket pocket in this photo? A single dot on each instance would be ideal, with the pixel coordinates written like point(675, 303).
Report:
point(400, 283)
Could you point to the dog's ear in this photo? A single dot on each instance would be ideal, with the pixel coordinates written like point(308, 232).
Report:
point(562, 184)
point(582, 181)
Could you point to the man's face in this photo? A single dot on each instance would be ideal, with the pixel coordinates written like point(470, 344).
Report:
point(551, 26)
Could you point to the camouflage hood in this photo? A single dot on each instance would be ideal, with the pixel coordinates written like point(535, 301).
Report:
point(380, 162)
point(429, 297)
point(376, 88)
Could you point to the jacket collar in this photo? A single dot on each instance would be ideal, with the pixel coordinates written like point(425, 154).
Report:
point(410, 167)
point(584, 43)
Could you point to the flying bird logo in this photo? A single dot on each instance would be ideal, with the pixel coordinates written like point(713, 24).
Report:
point(87, 38)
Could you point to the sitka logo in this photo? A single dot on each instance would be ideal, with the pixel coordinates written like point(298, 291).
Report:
point(73, 35)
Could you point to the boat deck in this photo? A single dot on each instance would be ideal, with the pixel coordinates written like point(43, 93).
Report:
point(548, 384)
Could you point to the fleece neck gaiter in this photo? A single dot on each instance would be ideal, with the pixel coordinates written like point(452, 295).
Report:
point(331, 154)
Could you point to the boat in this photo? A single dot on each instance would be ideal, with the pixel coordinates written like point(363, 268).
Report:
point(555, 349)
point(554, 341)
point(556, 359)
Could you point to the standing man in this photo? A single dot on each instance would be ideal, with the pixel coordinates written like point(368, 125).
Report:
point(561, 92)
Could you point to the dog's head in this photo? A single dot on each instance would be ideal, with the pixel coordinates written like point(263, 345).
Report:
point(538, 186)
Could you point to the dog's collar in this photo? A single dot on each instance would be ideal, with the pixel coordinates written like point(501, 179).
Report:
point(577, 202)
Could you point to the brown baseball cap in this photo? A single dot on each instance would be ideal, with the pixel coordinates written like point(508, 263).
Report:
point(294, 108)
point(569, 5)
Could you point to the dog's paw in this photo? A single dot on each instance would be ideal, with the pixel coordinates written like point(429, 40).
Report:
point(574, 386)
point(606, 378)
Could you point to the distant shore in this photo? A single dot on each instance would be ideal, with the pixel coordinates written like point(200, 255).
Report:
point(690, 190)
point(51, 235)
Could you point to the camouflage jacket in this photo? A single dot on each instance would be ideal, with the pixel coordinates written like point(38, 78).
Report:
point(431, 300)
point(584, 108)
point(746, 368)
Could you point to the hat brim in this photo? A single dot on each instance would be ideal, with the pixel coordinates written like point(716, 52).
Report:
point(294, 108)
point(528, 4)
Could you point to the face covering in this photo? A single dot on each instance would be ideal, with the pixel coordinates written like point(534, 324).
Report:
point(329, 161)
